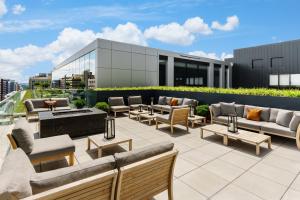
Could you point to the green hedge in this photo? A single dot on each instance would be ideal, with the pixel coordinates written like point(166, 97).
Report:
point(239, 91)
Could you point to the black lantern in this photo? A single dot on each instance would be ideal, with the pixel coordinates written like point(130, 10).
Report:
point(232, 123)
point(140, 108)
point(152, 100)
point(192, 110)
point(151, 106)
point(109, 128)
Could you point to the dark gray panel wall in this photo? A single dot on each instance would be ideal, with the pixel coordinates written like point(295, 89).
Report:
point(252, 66)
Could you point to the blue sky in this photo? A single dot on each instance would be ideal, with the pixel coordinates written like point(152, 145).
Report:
point(35, 35)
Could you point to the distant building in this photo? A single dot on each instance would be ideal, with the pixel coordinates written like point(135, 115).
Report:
point(7, 86)
point(105, 63)
point(41, 78)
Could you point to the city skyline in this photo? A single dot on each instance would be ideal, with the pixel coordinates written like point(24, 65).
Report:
point(37, 35)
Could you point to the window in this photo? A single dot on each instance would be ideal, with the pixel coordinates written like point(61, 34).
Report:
point(284, 79)
point(273, 80)
point(295, 80)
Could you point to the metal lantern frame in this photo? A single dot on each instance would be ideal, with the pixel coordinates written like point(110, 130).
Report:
point(140, 108)
point(110, 128)
point(232, 123)
point(151, 106)
point(192, 111)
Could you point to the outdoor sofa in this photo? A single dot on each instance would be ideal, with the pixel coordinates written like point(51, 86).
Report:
point(138, 174)
point(164, 103)
point(178, 115)
point(116, 104)
point(33, 106)
point(274, 121)
point(44, 149)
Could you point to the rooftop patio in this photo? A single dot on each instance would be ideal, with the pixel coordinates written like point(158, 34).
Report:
point(205, 168)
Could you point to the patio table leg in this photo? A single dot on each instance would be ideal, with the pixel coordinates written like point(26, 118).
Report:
point(130, 145)
point(225, 140)
point(99, 152)
point(201, 133)
point(257, 149)
point(89, 144)
point(269, 143)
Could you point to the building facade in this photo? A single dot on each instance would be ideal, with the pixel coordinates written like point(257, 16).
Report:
point(7, 86)
point(41, 78)
point(105, 63)
point(273, 65)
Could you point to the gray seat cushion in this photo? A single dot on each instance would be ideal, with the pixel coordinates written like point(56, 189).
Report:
point(271, 127)
point(265, 113)
point(116, 101)
point(136, 106)
point(227, 108)
point(62, 108)
point(161, 100)
point(221, 119)
point(253, 125)
point(15, 175)
point(284, 117)
point(40, 110)
point(157, 107)
point(166, 108)
point(126, 158)
point(239, 109)
point(41, 182)
point(295, 121)
point(119, 108)
point(23, 135)
point(163, 118)
point(52, 146)
point(134, 100)
point(29, 105)
point(216, 109)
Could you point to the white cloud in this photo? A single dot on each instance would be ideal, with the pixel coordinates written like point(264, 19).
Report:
point(172, 33)
point(223, 55)
point(129, 33)
point(231, 23)
point(3, 9)
point(197, 25)
point(23, 25)
point(18, 9)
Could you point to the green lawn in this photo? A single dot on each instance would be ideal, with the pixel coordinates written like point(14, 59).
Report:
point(20, 106)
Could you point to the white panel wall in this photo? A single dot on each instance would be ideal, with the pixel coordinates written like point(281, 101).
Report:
point(138, 78)
point(121, 78)
point(138, 61)
point(121, 59)
point(105, 58)
point(104, 77)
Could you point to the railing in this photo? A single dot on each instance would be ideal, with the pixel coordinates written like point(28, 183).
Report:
point(7, 107)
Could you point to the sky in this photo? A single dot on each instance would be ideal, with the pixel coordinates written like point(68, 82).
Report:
point(36, 35)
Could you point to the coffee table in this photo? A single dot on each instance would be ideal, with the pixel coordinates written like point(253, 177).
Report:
point(101, 143)
point(136, 113)
point(148, 117)
point(242, 135)
point(197, 119)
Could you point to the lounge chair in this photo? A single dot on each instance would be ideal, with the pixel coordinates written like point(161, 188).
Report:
point(178, 115)
point(134, 102)
point(38, 150)
point(116, 104)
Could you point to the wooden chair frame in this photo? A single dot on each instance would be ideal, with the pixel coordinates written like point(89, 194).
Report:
point(71, 155)
point(179, 116)
point(147, 178)
point(100, 187)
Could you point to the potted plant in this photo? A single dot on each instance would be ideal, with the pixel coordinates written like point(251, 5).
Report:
point(79, 103)
point(102, 106)
point(203, 110)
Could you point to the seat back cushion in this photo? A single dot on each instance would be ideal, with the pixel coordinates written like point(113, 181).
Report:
point(15, 175)
point(126, 158)
point(41, 182)
point(23, 135)
point(239, 109)
point(116, 101)
point(29, 105)
point(216, 109)
point(39, 103)
point(284, 117)
point(254, 114)
point(273, 114)
point(187, 101)
point(295, 121)
point(168, 100)
point(134, 100)
point(227, 108)
point(161, 100)
point(61, 102)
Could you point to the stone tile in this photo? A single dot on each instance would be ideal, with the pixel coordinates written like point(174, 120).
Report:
point(181, 191)
point(260, 186)
point(223, 169)
point(205, 182)
point(182, 167)
point(296, 183)
point(289, 153)
point(214, 150)
point(182, 148)
point(193, 143)
point(239, 160)
point(233, 192)
point(282, 163)
point(291, 195)
point(273, 173)
point(196, 157)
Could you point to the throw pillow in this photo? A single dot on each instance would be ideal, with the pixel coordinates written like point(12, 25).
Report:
point(161, 100)
point(227, 108)
point(168, 100)
point(284, 117)
point(216, 109)
point(273, 114)
point(23, 135)
point(174, 102)
point(254, 114)
point(295, 121)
